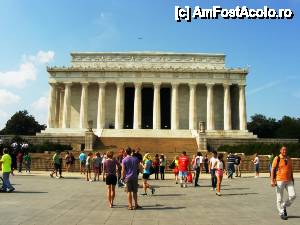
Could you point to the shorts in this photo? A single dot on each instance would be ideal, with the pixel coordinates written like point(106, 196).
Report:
point(219, 173)
point(132, 185)
point(88, 168)
point(183, 173)
point(146, 176)
point(56, 166)
point(96, 169)
point(83, 162)
point(257, 168)
point(111, 179)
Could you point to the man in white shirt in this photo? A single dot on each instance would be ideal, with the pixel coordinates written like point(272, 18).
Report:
point(212, 170)
point(198, 165)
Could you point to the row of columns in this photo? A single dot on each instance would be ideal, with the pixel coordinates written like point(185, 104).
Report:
point(119, 112)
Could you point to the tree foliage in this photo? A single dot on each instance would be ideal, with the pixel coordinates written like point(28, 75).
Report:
point(21, 123)
point(263, 127)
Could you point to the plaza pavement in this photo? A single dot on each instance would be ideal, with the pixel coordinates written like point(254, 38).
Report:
point(42, 200)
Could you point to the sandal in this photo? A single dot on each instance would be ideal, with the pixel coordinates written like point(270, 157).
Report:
point(137, 207)
point(130, 208)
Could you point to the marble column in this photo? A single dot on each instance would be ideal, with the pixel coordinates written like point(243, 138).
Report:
point(210, 107)
point(242, 108)
point(57, 107)
point(227, 107)
point(137, 114)
point(83, 106)
point(174, 108)
point(156, 106)
point(61, 108)
point(52, 106)
point(101, 106)
point(119, 116)
point(67, 105)
point(192, 107)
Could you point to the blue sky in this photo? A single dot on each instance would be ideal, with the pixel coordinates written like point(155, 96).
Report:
point(37, 33)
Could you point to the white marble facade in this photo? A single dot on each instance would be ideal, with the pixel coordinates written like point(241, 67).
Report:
point(93, 88)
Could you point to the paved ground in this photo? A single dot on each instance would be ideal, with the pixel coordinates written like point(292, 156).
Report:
point(41, 200)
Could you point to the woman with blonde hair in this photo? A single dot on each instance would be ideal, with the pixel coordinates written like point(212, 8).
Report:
point(147, 163)
point(176, 169)
point(110, 169)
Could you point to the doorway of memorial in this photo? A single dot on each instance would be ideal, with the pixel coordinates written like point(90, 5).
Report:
point(147, 108)
point(128, 107)
point(165, 108)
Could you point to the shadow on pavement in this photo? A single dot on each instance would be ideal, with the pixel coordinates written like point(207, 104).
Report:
point(294, 217)
point(167, 195)
point(240, 194)
point(235, 189)
point(30, 192)
point(160, 207)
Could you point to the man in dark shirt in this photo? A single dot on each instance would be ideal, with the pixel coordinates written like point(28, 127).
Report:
point(237, 165)
point(230, 165)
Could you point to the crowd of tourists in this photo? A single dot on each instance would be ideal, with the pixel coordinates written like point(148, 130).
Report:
point(124, 168)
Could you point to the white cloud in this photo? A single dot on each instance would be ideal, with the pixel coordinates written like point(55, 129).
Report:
point(42, 57)
point(8, 98)
point(264, 87)
point(27, 70)
point(40, 104)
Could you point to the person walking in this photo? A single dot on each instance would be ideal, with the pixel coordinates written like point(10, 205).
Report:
point(6, 162)
point(27, 160)
point(96, 166)
point(212, 171)
point(89, 166)
point(110, 169)
point(230, 165)
point(184, 167)
point(198, 166)
point(155, 165)
point(57, 162)
point(146, 173)
point(237, 165)
point(176, 169)
point(130, 165)
point(219, 167)
point(82, 161)
point(68, 161)
point(206, 164)
point(20, 161)
point(282, 178)
point(162, 166)
point(256, 164)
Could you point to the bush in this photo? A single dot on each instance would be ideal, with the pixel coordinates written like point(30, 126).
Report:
point(48, 146)
point(262, 149)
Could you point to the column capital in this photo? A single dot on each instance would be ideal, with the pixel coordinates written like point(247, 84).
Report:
point(156, 84)
point(209, 85)
point(225, 85)
point(85, 84)
point(174, 85)
point(242, 85)
point(101, 84)
point(68, 84)
point(192, 85)
point(138, 85)
point(53, 84)
point(119, 84)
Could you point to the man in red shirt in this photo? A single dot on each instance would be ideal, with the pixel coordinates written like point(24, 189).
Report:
point(183, 166)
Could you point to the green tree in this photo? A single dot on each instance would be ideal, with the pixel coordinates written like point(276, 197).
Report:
point(262, 126)
point(288, 128)
point(21, 123)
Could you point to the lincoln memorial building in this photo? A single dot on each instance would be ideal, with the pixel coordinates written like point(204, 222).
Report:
point(148, 94)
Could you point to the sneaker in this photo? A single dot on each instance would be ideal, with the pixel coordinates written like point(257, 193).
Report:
point(284, 211)
point(283, 217)
point(212, 189)
point(153, 191)
point(218, 193)
point(197, 185)
point(11, 190)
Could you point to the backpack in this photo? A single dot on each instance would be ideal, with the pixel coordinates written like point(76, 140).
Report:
point(172, 165)
point(276, 167)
